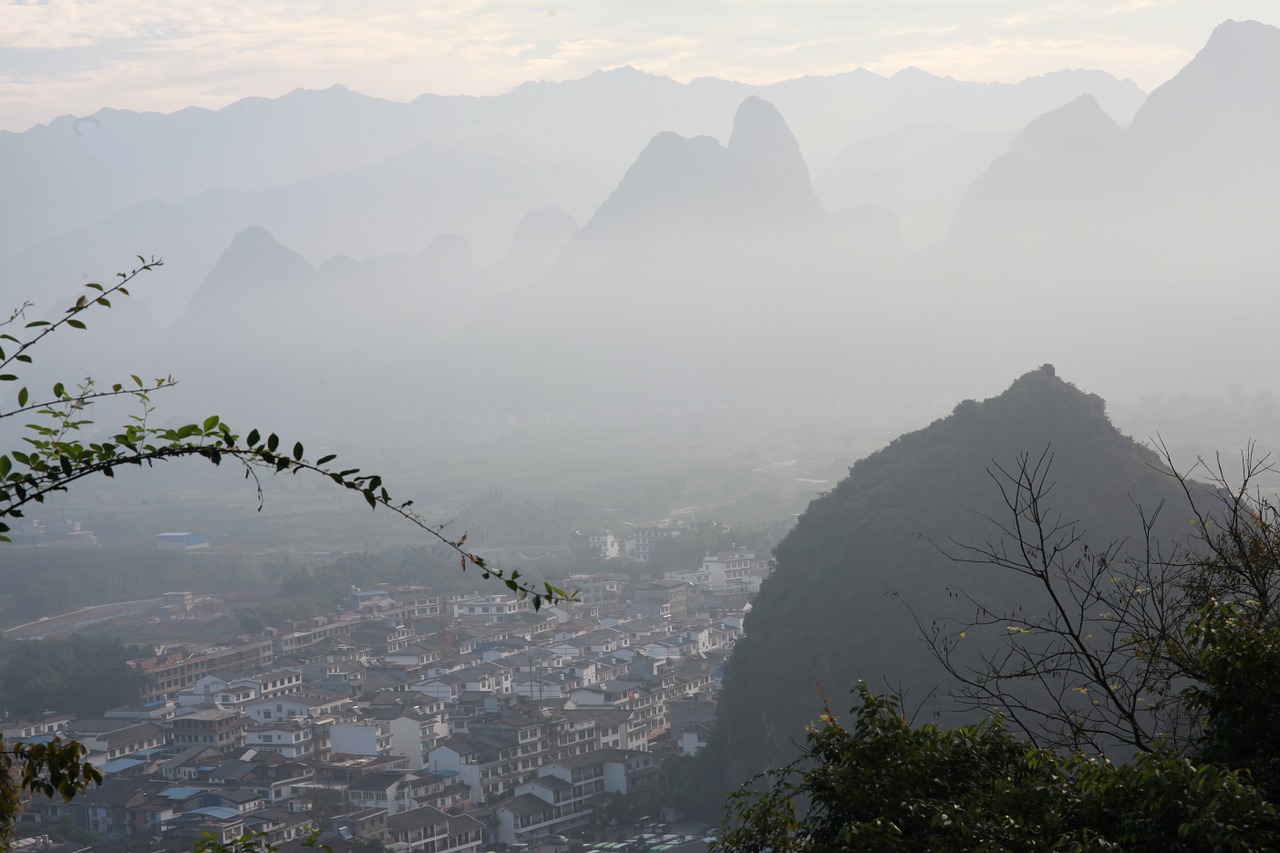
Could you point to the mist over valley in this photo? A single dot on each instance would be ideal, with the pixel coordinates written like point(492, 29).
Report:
point(628, 334)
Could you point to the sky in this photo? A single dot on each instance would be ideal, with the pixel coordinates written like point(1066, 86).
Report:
point(77, 56)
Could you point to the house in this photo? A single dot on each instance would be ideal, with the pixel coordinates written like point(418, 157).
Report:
point(124, 738)
point(666, 600)
point(224, 729)
point(292, 738)
point(422, 828)
point(645, 539)
point(384, 789)
point(310, 703)
point(414, 730)
point(364, 737)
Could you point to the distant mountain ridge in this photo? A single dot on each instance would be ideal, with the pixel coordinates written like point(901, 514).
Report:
point(55, 172)
point(1204, 140)
point(707, 275)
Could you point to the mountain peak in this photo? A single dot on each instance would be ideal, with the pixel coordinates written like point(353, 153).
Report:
point(549, 225)
point(762, 138)
point(1228, 89)
point(252, 240)
point(1080, 122)
point(860, 562)
point(1231, 37)
point(253, 267)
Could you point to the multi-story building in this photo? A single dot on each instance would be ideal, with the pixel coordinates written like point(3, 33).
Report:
point(736, 570)
point(176, 671)
point(645, 539)
point(215, 727)
point(293, 739)
point(414, 730)
point(666, 600)
point(491, 608)
point(560, 797)
point(123, 740)
point(363, 737)
point(605, 590)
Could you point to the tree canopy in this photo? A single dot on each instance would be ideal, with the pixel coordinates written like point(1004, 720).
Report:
point(884, 785)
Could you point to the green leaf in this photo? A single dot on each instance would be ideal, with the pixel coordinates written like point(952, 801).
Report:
point(210, 422)
point(7, 377)
point(5, 466)
point(273, 441)
point(297, 450)
point(75, 324)
point(323, 460)
point(252, 438)
point(22, 397)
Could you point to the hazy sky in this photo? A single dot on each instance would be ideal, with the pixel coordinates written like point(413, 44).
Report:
point(75, 56)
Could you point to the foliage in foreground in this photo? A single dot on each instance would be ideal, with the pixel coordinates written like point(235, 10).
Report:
point(886, 786)
point(53, 769)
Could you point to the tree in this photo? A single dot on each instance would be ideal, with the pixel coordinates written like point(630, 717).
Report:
point(1168, 659)
point(1088, 666)
point(1126, 650)
point(888, 786)
point(59, 452)
point(53, 769)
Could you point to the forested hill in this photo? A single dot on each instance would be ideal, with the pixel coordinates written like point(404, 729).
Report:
point(863, 559)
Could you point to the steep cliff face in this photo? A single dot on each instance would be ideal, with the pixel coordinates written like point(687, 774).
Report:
point(867, 559)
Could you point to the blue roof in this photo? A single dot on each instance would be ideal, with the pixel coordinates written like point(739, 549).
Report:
point(216, 812)
point(120, 764)
point(181, 793)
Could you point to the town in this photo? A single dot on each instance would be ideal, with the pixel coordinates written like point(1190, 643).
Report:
point(416, 721)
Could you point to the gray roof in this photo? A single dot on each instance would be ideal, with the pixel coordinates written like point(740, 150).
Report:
point(526, 804)
point(414, 818)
